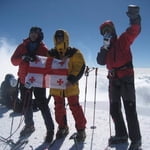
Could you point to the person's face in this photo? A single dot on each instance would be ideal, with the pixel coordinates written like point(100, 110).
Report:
point(59, 39)
point(33, 36)
point(60, 45)
point(108, 31)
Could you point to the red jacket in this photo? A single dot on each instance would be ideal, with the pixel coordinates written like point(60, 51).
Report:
point(21, 50)
point(119, 53)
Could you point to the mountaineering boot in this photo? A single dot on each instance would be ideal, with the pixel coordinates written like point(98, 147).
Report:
point(27, 130)
point(62, 132)
point(81, 135)
point(136, 145)
point(49, 136)
point(118, 140)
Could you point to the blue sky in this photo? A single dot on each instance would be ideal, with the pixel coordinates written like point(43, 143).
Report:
point(81, 18)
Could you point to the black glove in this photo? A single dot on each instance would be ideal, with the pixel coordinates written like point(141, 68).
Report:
point(28, 58)
point(133, 14)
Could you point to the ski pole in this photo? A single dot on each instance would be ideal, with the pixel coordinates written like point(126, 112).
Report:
point(110, 131)
point(87, 71)
point(14, 98)
point(86, 81)
point(108, 146)
point(109, 122)
point(12, 122)
point(14, 104)
point(93, 126)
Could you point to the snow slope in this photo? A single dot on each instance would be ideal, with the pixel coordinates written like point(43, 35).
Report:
point(100, 136)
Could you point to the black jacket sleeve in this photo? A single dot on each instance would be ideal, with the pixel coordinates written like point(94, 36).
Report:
point(101, 56)
point(73, 79)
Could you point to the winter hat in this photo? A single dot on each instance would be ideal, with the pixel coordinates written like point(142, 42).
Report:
point(39, 31)
point(8, 77)
point(107, 26)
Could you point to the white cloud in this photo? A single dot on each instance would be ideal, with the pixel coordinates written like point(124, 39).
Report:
point(6, 50)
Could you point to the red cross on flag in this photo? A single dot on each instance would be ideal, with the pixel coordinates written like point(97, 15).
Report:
point(47, 72)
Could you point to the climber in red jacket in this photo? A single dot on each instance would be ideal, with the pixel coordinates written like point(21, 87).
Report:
point(24, 54)
point(116, 55)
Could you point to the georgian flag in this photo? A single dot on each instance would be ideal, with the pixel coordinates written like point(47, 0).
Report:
point(47, 72)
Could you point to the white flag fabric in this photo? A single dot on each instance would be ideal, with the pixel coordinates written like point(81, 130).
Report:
point(47, 72)
point(34, 80)
point(56, 81)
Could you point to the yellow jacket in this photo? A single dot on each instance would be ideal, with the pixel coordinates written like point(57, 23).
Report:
point(76, 68)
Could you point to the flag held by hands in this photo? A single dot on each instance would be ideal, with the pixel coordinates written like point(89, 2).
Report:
point(47, 72)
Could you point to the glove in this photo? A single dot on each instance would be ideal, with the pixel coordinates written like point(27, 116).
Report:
point(106, 40)
point(28, 58)
point(28, 85)
point(133, 14)
point(133, 11)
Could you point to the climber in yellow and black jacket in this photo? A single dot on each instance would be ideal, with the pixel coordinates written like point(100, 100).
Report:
point(76, 66)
